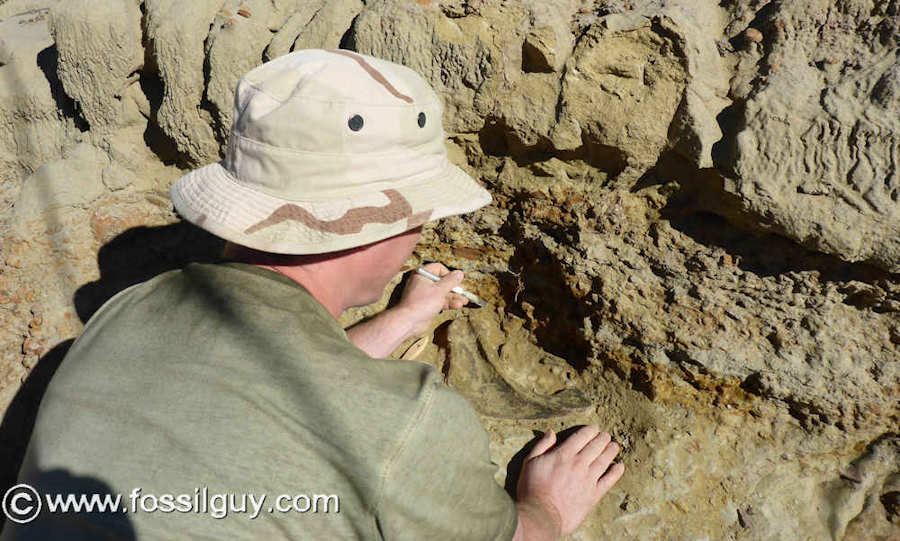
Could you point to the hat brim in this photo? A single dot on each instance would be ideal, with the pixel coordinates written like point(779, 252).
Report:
point(213, 199)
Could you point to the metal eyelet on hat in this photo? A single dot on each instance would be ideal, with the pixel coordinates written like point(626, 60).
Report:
point(421, 120)
point(355, 122)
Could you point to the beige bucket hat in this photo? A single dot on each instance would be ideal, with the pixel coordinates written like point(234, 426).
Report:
point(329, 149)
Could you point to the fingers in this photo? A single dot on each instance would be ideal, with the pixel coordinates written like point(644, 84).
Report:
point(579, 439)
point(611, 478)
point(438, 269)
point(450, 280)
point(605, 458)
point(455, 302)
point(543, 444)
point(592, 450)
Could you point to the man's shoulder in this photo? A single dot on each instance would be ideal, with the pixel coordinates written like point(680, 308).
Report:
point(214, 281)
point(129, 295)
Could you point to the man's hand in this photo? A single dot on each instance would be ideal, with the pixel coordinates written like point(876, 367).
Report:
point(559, 485)
point(421, 300)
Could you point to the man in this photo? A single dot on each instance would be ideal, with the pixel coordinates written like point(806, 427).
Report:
point(235, 379)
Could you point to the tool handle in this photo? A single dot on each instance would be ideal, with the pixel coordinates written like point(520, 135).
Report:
point(426, 274)
point(468, 295)
point(457, 289)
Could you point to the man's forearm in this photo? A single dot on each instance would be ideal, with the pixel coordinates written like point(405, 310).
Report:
point(382, 334)
point(536, 523)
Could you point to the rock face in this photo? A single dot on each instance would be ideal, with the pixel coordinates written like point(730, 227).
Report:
point(814, 151)
point(693, 240)
point(101, 55)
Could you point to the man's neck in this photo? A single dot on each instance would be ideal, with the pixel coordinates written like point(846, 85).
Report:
point(329, 297)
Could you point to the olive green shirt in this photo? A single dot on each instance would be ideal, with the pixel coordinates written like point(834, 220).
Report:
point(232, 379)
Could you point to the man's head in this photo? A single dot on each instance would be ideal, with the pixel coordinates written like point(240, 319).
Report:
point(330, 152)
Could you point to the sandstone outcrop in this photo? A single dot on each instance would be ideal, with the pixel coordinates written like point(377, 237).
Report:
point(693, 240)
point(814, 149)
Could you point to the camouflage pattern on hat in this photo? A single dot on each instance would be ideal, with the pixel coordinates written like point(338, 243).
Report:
point(374, 73)
point(353, 221)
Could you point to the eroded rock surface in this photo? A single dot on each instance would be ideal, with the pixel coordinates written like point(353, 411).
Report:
point(693, 240)
point(814, 149)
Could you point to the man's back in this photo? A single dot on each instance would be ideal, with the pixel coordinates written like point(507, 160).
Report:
point(232, 379)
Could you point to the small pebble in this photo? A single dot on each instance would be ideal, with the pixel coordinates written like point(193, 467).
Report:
point(243, 13)
point(753, 35)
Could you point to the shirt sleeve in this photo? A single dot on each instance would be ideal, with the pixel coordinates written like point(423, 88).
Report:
point(441, 484)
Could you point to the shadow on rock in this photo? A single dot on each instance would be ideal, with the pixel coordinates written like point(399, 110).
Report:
point(770, 254)
point(141, 253)
point(554, 315)
point(705, 211)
